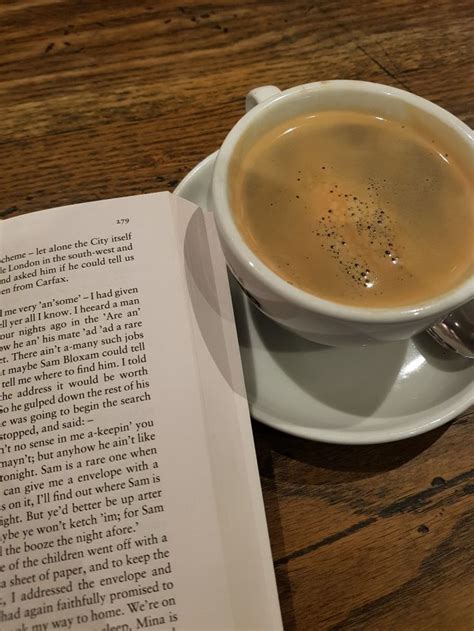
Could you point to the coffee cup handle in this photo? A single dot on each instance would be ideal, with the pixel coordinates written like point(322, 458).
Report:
point(258, 95)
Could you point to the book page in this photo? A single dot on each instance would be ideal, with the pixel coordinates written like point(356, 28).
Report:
point(108, 510)
point(246, 546)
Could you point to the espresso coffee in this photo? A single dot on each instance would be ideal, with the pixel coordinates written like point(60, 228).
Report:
point(356, 209)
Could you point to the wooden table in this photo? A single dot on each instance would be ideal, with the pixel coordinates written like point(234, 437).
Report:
point(104, 99)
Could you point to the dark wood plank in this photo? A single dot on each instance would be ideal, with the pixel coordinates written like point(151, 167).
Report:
point(104, 99)
point(372, 537)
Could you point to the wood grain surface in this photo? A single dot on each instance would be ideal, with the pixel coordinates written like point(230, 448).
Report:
point(105, 99)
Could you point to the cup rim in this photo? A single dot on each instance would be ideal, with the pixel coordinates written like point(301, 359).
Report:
point(223, 215)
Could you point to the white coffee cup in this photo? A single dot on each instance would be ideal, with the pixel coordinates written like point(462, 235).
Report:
point(311, 317)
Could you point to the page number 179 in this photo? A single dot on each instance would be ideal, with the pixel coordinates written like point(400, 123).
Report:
point(122, 221)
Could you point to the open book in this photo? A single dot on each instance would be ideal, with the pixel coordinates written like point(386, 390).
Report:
point(129, 491)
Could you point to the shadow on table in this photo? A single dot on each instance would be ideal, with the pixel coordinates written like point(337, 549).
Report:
point(292, 466)
point(272, 510)
point(341, 463)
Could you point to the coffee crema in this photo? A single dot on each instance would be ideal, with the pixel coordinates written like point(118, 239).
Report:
point(356, 209)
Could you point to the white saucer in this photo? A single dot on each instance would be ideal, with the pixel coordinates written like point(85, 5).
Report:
point(355, 395)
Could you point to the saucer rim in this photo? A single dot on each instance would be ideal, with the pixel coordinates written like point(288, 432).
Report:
point(440, 414)
point(366, 437)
